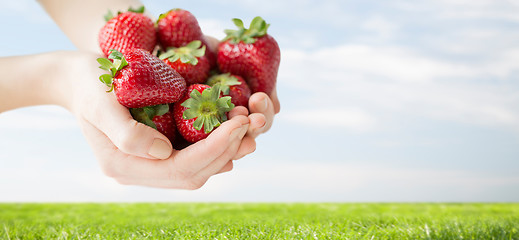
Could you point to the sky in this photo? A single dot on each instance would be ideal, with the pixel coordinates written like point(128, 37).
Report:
point(382, 101)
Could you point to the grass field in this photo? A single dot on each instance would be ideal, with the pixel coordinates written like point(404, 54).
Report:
point(259, 221)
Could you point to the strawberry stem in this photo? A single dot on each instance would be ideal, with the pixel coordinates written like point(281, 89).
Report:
point(109, 15)
point(146, 114)
point(208, 108)
point(187, 54)
point(224, 80)
point(118, 62)
point(258, 28)
point(136, 10)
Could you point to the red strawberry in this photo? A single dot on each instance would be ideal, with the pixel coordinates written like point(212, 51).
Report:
point(179, 27)
point(252, 54)
point(233, 86)
point(202, 107)
point(140, 79)
point(126, 31)
point(159, 117)
point(189, 61)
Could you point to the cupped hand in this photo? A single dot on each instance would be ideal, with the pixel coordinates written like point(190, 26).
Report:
point(263, 107)
point(135, 154)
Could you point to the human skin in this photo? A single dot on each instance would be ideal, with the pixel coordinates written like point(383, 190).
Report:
point(81, 21)
point(128, 151)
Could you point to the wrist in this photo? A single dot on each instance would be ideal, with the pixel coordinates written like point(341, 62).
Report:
point(27, 80)
point(41, 79)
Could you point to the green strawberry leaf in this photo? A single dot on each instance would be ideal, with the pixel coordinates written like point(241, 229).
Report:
point(238, 22)
point(184, 58)
point(193, 60)
point(208, 108)
point(146, 114)
point(119, 61)
point(161, 109)
point(258, 28)
point(114, 54)
point(163, 15)
point(149, 111)
point(194, 44)
point(109, 15)
point(136, 10)
point(225, 80)
point(105, 64)
point(190, 113)
point(198, 52)
point(106, 79)
point(199, 123)
point(187, 54)
point(141, 115)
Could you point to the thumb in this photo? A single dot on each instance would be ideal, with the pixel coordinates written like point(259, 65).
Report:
point(128, 135)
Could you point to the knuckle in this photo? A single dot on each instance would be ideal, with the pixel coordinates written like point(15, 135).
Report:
point(125, 141)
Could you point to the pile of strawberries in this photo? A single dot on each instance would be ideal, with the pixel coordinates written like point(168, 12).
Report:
point(169, 77)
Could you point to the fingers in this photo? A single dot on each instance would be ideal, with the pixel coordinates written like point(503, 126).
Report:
point(186, 169)
point(275, 100)
point(247, 146)
point(200, 154)
point(189, 168)
point(128, 135)
point(227, 168)
point(238, 110)
point(262, 113)
point(212, 43)
point(215, 166)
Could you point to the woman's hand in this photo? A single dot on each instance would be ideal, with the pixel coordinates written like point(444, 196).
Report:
point(136, 154)
point(263, 107)
point(127, 150)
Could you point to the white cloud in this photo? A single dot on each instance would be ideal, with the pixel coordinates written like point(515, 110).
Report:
point(341, 118)
point(466, 9)
point(383, 28)
point(395, 80)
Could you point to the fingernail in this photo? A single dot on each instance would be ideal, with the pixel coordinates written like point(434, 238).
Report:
point(160, 149)
point(262, 106)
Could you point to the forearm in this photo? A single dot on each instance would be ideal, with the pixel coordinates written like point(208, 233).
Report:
point(35, 79)
point(81, 20)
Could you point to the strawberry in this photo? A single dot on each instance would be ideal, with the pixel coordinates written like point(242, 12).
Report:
point(252, 54)
point(201, 107)
point(177, 28)
point(233, 86)
point(159, 117)
point(189, 61)
point(140, 79)
point(126, 31)
point(166, 125)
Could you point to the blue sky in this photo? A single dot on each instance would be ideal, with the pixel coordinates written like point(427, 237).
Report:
point(381, 101)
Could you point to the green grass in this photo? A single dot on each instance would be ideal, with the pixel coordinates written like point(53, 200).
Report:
point(259, 221)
